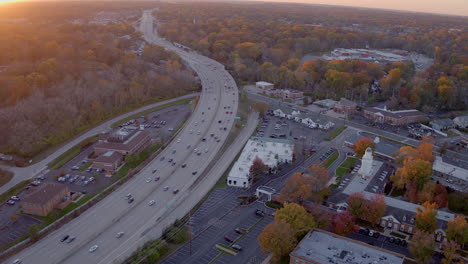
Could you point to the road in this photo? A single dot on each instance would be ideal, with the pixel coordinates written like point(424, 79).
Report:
point(141, 222)
point(25, 173)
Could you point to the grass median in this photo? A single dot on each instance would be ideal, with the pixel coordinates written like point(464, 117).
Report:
point(5, 176)
point(71, 153)
point(329, 161)
point(335, 132)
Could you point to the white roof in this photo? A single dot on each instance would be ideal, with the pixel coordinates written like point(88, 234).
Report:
point(449, 169)
point(263, 83)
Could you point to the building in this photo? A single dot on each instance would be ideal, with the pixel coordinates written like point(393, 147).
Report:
point(322, 247)
point(383, 149)
point(345, 106)
point(288, 94)
point(396, 118)
point(442, 124)
point(123, 141)
point(271, 151)
point(449, 174)
point(461, 121)
point(264, 85)
point(108, 161)
point(326, 103)
point(47, 197)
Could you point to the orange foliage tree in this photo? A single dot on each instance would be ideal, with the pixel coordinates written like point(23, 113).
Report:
point(362, 144)
point(278, 239)
point(426, 218)
point(457, 230)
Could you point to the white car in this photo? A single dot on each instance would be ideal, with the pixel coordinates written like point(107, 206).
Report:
point(15, 198)
point(148, 180)
point(178, 140)
point(151, 203)
point(120, 234)
point(93, 248)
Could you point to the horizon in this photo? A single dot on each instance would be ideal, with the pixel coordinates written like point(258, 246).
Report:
point(452, 8)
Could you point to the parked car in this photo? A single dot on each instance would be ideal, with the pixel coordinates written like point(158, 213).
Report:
point(403, 243)
point(260, 213)
point(15, 198)
point(376, 234)
point(391, 239)
point(228, 239)
point(237, 247)
point(10, 202)
point(371, 233)
point(239, 231)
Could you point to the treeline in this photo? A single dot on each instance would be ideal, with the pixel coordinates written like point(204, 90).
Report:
point(57, 80)
point(255, 45)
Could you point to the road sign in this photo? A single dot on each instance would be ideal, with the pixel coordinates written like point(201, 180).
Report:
point(237, 117)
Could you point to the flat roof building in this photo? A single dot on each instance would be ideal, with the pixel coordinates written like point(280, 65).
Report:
point(108, 161)
point(442, 124)
point(450, 175)
point(264, 85)
point(396, 118)
point(461, 121)
point(322, 247)
point(271, 151)
point(125, 143)
point(345, 106)
point(47, 197)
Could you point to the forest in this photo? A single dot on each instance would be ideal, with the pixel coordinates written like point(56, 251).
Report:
point(259, 41)
point(59, 78)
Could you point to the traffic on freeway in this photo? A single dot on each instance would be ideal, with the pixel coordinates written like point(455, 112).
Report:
point(116, 226)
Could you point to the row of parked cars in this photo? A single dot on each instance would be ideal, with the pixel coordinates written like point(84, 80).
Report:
point(327, 154)
point(376, 235)
point(71, 179)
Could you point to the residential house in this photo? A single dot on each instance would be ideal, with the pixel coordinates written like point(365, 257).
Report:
point(442, 124)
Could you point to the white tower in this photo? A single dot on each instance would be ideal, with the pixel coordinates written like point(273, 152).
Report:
point(366, 164)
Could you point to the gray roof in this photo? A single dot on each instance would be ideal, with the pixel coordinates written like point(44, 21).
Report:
point(442, 122)
point(395, 114)
point(323, 247)
point(383, 148)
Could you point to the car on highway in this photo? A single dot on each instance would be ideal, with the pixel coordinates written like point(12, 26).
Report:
point(228, 239)
point(120, 234)
point(151, 203)
point(166, 188)
point(17, 261)
point(173, 151)
point(184, 165)
point(64, 238)
point(148, 180)
point(178, 140)
point(194, 172)
point(128, 196)
point(162, 158)
point(157, 178)
point(170, 160)
point(130, 200)
point(154, 171)
point(175, 191)
point(189, 146)
point(93, 248)
point(70, 239)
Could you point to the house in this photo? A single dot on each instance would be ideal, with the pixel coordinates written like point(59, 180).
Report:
point(323, 247)
point(271, 151)
point(264, 85)
point(442, 124)
point(345, 106)
point(396, 118)
point(47, 197)
point(108, 161)
point(461, 121)
point(123, 141)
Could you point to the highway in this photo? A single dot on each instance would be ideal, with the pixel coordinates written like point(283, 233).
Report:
point(206, 130)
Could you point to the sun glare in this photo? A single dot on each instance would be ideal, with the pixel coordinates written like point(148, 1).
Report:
point(8, 1)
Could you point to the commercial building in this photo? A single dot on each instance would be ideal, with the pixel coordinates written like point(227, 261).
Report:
point(264, 85)
point(442, 124)
point(345, 106)
point(461, 121)
point(124, 142)
point(47, 197)
point(326, 103)
point(449, 174)
point(108, 161)
point(271, 151)
point(285, 94)
point(322, 247)
point(396, 118)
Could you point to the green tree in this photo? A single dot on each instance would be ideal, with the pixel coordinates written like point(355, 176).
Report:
point(295, 215)
point(422, 246)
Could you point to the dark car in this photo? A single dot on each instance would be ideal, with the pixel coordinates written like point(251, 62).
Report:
point(397, 241)
point(376, 234)
point(130, 200)
point(403, 243)
point(194, 172)
point(228, 239)
point(260, 213)
point(184, 165)
point(64, 238)
point(391, 239)
point(366, 231)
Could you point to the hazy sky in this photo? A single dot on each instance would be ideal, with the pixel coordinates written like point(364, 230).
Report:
point(452, 7)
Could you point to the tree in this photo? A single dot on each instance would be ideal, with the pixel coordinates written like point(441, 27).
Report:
point(14, 218)
point(260, 107)
point(342, 223)
point(422, 246)
point(318, 177)
point(311, 186)
point(277, 238)
point(457, 230)
point(258, 168)
point(356, 205)
point(362, 144)
point(34, 232)
point(375, 209)
point(449, 249)
point(295, 215)
point(416, 171)
point(426, 217)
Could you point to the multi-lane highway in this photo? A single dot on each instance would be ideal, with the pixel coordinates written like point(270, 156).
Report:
point(190, 153)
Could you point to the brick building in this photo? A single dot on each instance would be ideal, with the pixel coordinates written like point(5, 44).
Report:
point(345, 106)
point(396, 118)
point(124, 143)
point(108, 161)
point(47, 197)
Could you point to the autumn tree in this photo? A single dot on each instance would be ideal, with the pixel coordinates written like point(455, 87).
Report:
point(375, 209)
point(258, 168)
point(362, 144)
point(278, 239)
point(260, 107)
point(422, 246)
point(343, 223)
point(457, 230)
point(295, 215)
point(357, 205)
point(426, 220)
point(449, 249)
point(310, 186)
point(414, 170)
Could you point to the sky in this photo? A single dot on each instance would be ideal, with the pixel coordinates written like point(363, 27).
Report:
point(450, 7)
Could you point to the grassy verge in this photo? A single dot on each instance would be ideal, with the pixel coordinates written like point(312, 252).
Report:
point(397, 235)
point(274, 205)
point(71, 153)
point(5, 176)
point(14, 190)
point(345, 167)
point(228, 250)
point(335, 132)
point(179, 102)
point(329, 161)
point(132, 161)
